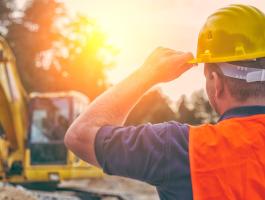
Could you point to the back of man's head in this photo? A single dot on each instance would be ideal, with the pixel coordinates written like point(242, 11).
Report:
point(235, 79)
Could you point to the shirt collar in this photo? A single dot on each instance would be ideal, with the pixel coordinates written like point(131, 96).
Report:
point(242, 112)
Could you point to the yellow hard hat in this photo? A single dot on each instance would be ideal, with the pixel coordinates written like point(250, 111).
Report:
point(233, 33)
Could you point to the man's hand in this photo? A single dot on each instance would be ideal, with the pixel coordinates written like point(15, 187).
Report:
point(165, 65)
point(114, 105)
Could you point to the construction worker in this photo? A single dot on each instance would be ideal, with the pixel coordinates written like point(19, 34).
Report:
point(209, 162)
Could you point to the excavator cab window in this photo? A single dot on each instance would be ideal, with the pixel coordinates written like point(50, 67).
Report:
point(50, 118)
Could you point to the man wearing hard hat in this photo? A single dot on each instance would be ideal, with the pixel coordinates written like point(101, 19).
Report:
point(208, 162)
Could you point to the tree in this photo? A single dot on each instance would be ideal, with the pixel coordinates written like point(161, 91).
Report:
point(202, 108)
point(58, 51)
point(185, 114)
point(196, 111)
point(88, 56)
point(29, 37)
point(153, 108)
point(6, 15)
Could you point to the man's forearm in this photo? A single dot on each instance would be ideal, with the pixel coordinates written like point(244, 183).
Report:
point(110, 108)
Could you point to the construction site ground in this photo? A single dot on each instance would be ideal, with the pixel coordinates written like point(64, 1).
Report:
point(132, 190)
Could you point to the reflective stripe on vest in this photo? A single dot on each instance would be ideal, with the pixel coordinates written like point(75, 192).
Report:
point(227, 160)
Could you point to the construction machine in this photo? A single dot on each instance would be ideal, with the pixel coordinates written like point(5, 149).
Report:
point(32, 128)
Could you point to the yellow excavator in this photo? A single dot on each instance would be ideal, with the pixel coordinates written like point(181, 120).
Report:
point(32, 128)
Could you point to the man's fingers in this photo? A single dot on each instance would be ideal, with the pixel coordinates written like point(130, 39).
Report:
point(167, 64)
point(181, 59)
point(180, 63)
point(161, 51)
point(185, 68)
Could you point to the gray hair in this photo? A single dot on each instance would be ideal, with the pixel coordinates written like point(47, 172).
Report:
point(239, 88)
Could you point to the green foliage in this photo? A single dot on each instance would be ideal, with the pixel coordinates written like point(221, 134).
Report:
point(153, 108)
point(86, 61)
point(196, 111)
point(6, 8)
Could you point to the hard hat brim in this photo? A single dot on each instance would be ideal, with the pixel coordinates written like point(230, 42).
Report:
point(194, 61)
point(228, 58)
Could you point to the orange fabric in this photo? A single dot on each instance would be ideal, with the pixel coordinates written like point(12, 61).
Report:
point(227, 160)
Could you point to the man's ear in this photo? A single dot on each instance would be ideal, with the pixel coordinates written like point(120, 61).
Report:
point(218, 85)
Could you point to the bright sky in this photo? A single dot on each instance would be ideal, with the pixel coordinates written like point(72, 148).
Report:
point(139, 26)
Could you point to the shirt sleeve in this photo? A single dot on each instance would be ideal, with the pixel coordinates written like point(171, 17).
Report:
point(150, 153)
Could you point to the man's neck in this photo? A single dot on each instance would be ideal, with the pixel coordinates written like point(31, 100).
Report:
point(235, 104)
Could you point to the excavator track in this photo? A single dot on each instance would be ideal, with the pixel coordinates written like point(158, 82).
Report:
point(67, 193)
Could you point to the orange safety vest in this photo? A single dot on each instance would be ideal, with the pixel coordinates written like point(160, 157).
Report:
point(227, 160)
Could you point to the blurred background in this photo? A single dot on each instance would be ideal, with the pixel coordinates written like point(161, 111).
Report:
point(88, 46)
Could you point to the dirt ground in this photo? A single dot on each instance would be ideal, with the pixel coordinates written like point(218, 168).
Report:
point(133, 190)
point(12, 193)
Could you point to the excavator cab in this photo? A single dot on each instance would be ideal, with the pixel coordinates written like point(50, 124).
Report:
point(50, 118)
point(50, 115)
